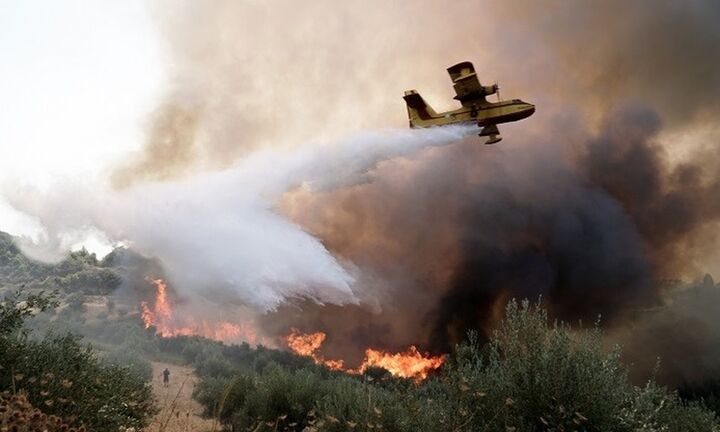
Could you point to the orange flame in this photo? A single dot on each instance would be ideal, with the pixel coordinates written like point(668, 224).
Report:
point(410, 364)
point(161, 312)
point(304, 344)
point(307, 345)
point(161, 317)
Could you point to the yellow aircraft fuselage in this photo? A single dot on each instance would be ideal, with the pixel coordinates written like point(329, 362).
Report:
point(475, 107)
point(488, 113)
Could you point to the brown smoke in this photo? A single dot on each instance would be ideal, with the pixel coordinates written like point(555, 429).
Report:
point(170, 146)
point(278, 73)
point(584, 204)
point(669, 204)
point(452, 235)
point(663, 53)
point(454, 232)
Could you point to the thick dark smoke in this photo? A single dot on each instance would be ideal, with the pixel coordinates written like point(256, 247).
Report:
point(589, 226)
point(588, 209)
point(239, 65)
point(565, 242)
point(683, 335)
point(663, 52)
point(668, 204)
point(585, 204)
point(617, 228)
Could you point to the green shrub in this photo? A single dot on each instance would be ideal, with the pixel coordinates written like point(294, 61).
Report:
point(14, 310)
point(652, 408)
point(531, 376)
point(283, 399)
point(91, 280)
point(76, 303)
point(131, 360)
point(67, 379)
point(536, 376)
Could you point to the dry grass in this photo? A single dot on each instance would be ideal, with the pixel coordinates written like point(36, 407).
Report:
point(178, 411)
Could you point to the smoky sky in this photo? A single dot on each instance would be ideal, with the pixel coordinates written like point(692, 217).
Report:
point(247, 75)
point(662, 53)
point(590, 225)
point(586, 204)
point(668, 203)
point(459, 231)
point(584, 208)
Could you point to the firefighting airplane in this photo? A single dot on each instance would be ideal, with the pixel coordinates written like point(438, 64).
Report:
point(475, 108)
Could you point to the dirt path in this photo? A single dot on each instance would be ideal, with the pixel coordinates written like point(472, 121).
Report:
point(178, 411)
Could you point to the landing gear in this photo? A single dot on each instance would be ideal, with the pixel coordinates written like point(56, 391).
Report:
point(493, 139)
point(492, 133)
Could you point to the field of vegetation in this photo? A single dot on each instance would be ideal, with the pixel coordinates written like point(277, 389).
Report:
point(74, 358)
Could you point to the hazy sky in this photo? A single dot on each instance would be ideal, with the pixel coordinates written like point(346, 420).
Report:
point(101, 100)
point(85, 86)
point(77, 79)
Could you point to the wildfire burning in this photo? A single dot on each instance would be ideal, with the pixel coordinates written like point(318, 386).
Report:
point(161, 316)
point(161, 313)
point(308, 344)
point(408, 364)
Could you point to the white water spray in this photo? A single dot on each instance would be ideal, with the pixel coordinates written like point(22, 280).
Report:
point(219, 231)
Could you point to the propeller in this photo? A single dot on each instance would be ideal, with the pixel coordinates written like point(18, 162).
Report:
point(497, 90)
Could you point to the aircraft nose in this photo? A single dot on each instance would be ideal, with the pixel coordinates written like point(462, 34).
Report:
point(530, 109)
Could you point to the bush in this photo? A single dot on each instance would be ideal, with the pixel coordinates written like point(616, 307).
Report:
point(17, 414)
point(132, 361)
point(76, 303)
point(531, 376)
point(536, 376)
point(67, 379)
point(652, 408)
point(91, 280)
point(303, 399)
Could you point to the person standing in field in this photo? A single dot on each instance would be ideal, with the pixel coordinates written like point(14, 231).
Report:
point(166, 377)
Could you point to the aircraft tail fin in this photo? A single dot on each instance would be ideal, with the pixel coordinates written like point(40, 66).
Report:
point(419, 112)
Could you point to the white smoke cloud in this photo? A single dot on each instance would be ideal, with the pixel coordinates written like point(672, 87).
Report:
point(219, 231)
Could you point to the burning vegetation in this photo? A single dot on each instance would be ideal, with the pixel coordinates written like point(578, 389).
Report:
point(576, 383)
point(161, 316)
point(408, 364)
point(308, 344)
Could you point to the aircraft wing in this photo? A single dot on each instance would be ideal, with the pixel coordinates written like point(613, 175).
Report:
point(465, 82)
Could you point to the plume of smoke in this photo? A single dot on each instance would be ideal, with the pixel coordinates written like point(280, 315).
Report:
point(238, 83)
point(669, 204)
point(218, 233)
point(615, 51)
point(683, 334)
point(170, 147)
point(456, 233)
point(444, 239)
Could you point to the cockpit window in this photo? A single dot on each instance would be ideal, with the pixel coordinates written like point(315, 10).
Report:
point(517, 101)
